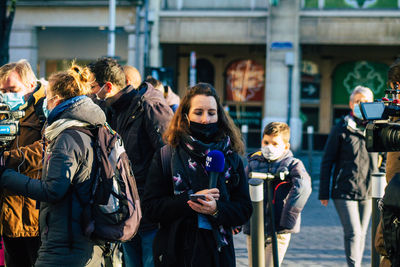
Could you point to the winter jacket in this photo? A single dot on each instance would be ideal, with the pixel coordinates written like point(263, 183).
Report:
point(392, 167)
point(65, 164)
point(290, 194)
point(179, 223)
point(346, 152)
point(140, 117)
point(19, 215)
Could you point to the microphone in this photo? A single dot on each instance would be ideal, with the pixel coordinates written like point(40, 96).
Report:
point(215, 163)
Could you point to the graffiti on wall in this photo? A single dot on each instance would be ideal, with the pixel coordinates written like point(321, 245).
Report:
point(245, 81)
point(364, 73)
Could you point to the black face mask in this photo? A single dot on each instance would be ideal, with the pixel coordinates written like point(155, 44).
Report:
point(203, 132)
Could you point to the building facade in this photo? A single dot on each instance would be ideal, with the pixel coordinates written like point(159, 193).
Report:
point(294, 60)
point(52, 33)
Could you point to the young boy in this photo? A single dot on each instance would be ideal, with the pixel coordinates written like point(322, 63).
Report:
point(290, 195)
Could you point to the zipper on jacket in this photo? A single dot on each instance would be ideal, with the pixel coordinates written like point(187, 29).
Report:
point(337, 178)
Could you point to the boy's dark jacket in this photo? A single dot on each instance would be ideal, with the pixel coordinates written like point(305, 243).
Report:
point(290, 195)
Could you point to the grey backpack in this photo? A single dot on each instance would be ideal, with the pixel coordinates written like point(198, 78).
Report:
point(113, 212)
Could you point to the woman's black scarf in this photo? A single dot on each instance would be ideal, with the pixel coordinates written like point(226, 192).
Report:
point(190, 175)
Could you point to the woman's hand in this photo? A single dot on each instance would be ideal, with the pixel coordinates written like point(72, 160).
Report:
point(208, 206)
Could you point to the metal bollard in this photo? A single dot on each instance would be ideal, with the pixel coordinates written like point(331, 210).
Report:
point(269, 178)
point(378, 184)
point(257, 222)
point(272, 223)
point(245, 133)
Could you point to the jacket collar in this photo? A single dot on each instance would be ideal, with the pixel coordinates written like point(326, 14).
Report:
point(352, 126)
point(123, 97)
point(38, 93)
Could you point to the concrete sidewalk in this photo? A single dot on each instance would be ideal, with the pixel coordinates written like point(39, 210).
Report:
point(319, 243)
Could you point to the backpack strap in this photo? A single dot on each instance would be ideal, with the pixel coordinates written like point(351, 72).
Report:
point(166, 160)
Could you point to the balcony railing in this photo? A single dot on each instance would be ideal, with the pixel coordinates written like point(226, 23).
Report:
point(57, 3)
point(214, 4)
point(351, 4)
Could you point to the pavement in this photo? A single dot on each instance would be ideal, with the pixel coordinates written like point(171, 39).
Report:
point(320, 241)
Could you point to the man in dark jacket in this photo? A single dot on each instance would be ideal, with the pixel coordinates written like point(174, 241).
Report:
point(19, 216)
point(350, 185)
point(140, 117)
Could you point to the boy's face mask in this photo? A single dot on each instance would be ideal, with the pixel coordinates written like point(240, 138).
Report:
point(271, 152)
point(273, 147)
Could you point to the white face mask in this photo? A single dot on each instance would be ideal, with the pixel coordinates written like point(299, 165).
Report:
point(271, 152)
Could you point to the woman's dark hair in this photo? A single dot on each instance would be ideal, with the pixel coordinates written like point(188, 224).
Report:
point(179, 124)
point(108, 70)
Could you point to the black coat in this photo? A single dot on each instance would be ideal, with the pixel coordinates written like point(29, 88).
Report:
point(178, 232)
point(65, 163)
point(140, 117)
point(346, 152)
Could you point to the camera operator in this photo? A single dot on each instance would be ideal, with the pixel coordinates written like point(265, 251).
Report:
point(19, 216)
point(392, 163)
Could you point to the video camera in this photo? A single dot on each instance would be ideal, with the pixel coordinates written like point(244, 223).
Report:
point(382, 133)
point(9, 123)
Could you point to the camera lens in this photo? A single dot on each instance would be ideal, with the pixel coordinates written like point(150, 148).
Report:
point(390, 137)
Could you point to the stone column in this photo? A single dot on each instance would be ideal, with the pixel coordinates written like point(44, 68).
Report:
point(131, 30)
point(325, 106)
point(155, 54)
point(283, 26)
point(24, 45)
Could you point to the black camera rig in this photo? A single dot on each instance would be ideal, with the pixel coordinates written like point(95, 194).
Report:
point(383, 130)
point(9, 124)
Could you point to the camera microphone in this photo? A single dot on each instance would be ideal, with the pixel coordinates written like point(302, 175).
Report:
point(215, 163)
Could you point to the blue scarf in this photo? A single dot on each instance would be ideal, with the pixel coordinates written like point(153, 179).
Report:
point(56, 112)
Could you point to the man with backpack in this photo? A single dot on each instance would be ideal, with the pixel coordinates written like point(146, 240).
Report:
point(140, 117)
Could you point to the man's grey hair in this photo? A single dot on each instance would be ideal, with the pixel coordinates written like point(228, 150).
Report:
point(365, 91)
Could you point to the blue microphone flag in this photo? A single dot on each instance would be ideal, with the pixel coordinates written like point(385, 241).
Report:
point(215, 161)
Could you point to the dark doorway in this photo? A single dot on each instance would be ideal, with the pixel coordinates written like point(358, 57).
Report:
point(205, 71)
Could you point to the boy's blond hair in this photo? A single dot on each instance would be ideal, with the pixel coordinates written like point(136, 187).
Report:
point(278, 128)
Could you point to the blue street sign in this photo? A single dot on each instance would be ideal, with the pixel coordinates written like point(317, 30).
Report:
point(281, 45)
